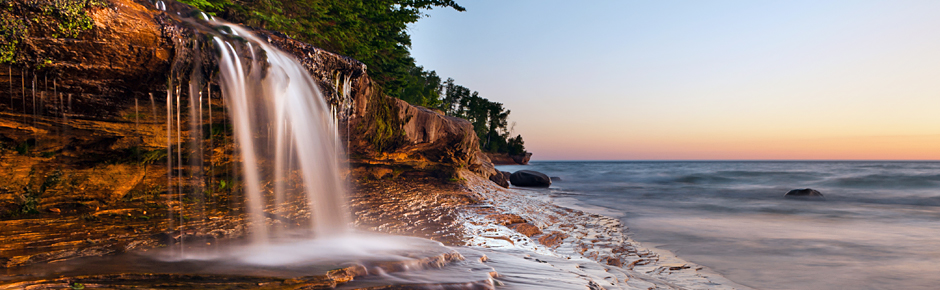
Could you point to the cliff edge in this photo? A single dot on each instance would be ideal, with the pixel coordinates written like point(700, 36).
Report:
point(83, 136)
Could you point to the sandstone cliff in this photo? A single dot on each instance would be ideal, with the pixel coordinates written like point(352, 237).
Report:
point(507, 159)
point(83, 136)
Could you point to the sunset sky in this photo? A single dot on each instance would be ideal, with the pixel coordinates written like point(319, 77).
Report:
point(683, 80)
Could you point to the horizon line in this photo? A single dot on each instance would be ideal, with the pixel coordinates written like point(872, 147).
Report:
point(738, 160)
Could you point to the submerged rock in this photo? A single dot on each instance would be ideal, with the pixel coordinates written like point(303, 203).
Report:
point(805, 193)
point(501, 178)
point(529, 178)
point(555, 178)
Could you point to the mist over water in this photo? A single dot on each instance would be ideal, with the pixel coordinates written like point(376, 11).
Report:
point(877, 229)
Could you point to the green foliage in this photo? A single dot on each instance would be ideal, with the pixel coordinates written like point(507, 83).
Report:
point(71, 15)
point(420, 87)
point(384, 127)
point(77, 286)
point(30, 201)
point(207, 5)
point(12, 32)
point(516, 145)
point(64, 18)
point(139, 155)
point(149, 157)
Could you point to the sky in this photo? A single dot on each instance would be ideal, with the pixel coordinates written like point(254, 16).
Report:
point(700, 80)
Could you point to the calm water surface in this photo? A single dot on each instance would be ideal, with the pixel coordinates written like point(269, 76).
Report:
point(879, 227)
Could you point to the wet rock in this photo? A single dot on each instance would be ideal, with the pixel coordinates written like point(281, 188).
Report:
point(555, 178)
point(805, 193)
point(529, 178)
point(612, 261)
point(501, 178)
point(505, 219)
point(553, 239)
point(526, 229)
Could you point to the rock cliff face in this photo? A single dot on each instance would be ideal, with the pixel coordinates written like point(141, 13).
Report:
point(125, 53)
point(506, 159)
point(424, 141)
point(84, 137)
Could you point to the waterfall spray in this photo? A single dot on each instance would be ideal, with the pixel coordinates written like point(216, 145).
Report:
point(179, 163)
point(169, 149)
point(286, 99)
point(153, 109)
point(195, 127)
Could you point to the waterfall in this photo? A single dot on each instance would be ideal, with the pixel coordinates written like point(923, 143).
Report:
point(272, 90)
point(285, 134)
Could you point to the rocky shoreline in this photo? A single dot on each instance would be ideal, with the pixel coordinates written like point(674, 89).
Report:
point(528, 221)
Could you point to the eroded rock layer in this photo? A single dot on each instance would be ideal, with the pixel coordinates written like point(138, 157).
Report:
point(84, 138)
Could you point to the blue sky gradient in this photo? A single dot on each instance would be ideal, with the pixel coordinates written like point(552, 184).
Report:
point(700, 79)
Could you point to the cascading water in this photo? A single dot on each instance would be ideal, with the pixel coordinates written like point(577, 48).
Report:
point(283, 129)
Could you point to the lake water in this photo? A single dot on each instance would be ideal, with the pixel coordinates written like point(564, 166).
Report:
point(878, 227)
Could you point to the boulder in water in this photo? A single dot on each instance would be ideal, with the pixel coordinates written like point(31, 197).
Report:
point(805, 193)
point(555, 178)
point(501, 178)
point(529, 178)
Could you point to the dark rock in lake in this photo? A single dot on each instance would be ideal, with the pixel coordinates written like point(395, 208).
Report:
point(805, 193)
point(555, 178)
point(501, 178)
point(529, 178)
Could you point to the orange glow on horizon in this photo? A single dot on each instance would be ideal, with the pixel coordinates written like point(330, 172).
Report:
point(845, 148)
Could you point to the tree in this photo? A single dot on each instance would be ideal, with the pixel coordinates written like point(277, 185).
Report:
point(489, 119)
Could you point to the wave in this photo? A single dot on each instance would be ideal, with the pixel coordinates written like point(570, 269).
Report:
point(738, 176)
point(882, 180)
point(698, 178)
